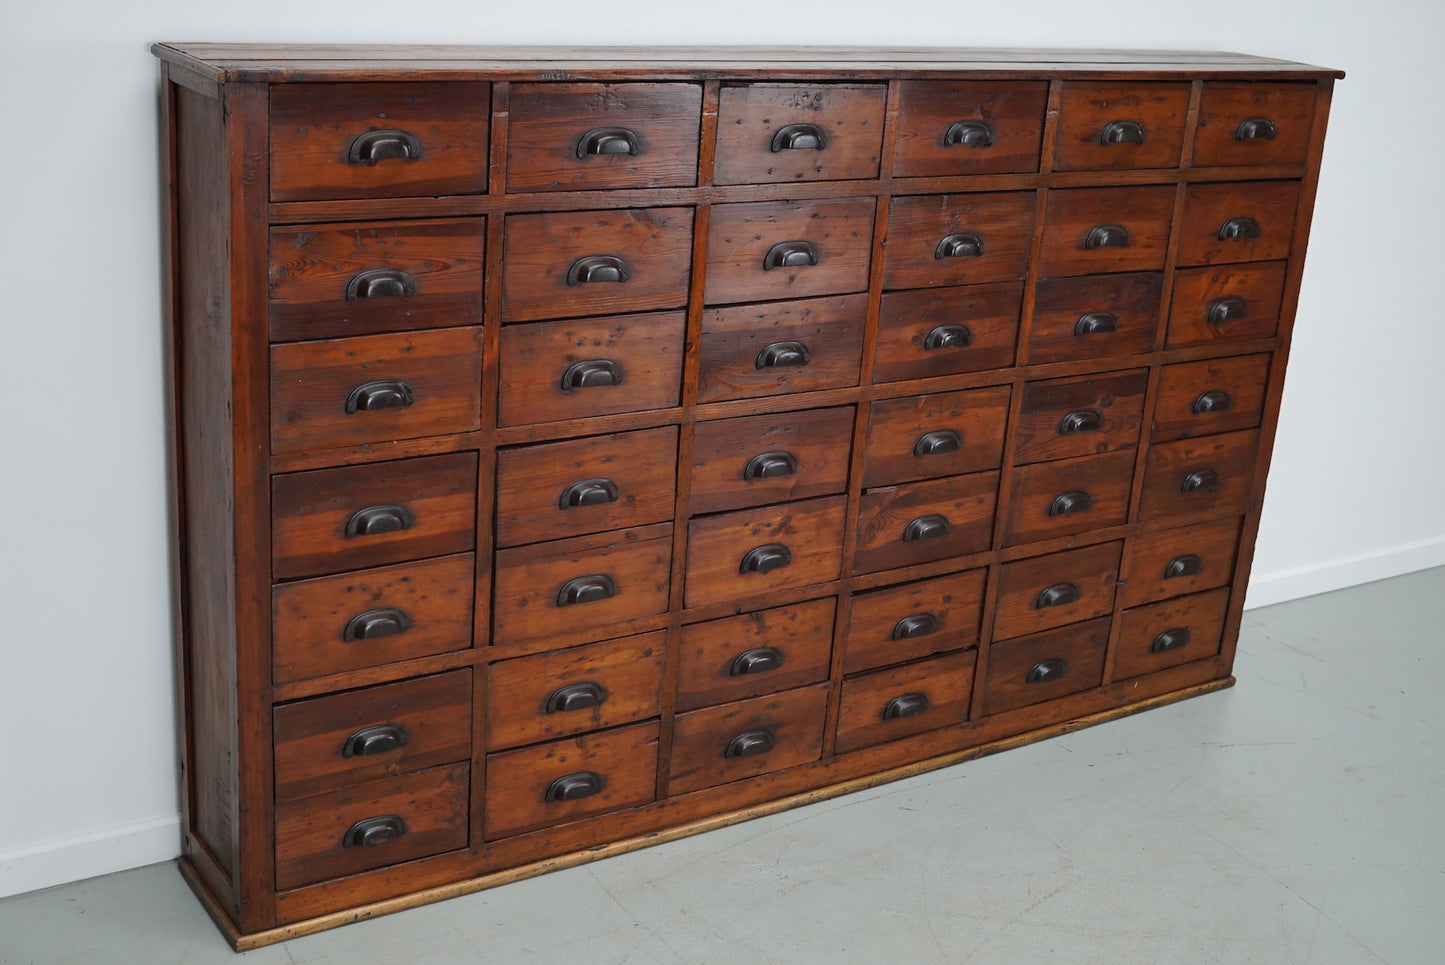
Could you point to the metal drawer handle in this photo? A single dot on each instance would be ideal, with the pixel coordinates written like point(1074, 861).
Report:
point(589, 492)
point(750, 743)
point(1255, 129)
point(590, 373)
point(769, 465)
point(947, 336)
point(592, 269)
point(1107, 236)
point(1096, 323)
point(905, 705)
point(766, 558)
point(932, 526)
point(1215, 400)
point(1186, 565)
point(1122, 132)
point(385, 145)
point(965, 244)
point(756, 660)
point(378, 395)
point(607, 140)
point(1060, 594)
point(799, 137)
point(1047, 671)
point(782, 355)
point(1081, 420)
point(915, 625)
point(374, 624)
point(380, 283)
point(937, 443)
point(1175, 638)
point(572, 697)
point(1228, 309)
point(373, 832)
point(1203, 480)
point(1069, 503)
point(791, 254)
point(370, 741)
point(375, 520)
point(969, 133)
point(587, 589)
point(1243, 228)
point(573, 787)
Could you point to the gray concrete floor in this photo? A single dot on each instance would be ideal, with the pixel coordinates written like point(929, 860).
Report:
point(1294, 818)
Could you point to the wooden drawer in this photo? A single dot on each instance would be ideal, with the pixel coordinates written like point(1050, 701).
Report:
point(1045, 666)
point(333, 141)
point(770, 458)
point(371, 825)
point(567, 780)
point(747, 738)
point(1048, 591)
point(754, 653)
point(372, 733)
point(736, 555)
point(560, 371)
point(1069, 496)
point(1089, 230)
point(1062, 418)
point(1228, 303)
point(572, 585)
point(329, 520)
point(1215, 395)
point(945, 434)
point(375, 388)
point(788, 249)
point(946, 331)
point(1250, 221)
point(891, 704)
point(1247, 123)
point(1167, 634)
point(923, 521)
point(576, 263)
point(377, 276)
point(779, 348)
point(913, 620)
point(1095, 316)
point(1211, 474)
point(571, 137)
point(958, 239)
point(1109, 127)
point(580, 486)
point(551, 695)
point(953, 128)
point(351, 621)
point(792, 132)
point(1171, 562)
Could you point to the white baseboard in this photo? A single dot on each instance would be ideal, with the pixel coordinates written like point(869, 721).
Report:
point(1279, 586)
point(58, 861)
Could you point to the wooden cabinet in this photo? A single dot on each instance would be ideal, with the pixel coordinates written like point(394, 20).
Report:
point(576, 447)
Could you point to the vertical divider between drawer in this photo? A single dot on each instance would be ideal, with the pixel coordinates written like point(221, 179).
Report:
point(497, 150)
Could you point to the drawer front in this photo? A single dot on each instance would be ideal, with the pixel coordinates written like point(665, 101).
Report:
point(890, 704)
point(379, 276)
point(1089, 230)
point(770, 458)
point(788, 249)
point(737, 555)
point(1227, 303)
point(747, 738)
point(331, 624)
point(790, 132)
point(923, 521)
point(1095, 316)
point(1062, 418)
point(1110, 127)
point(571, 779)
point(577, 263)
point(575, 584)
point(1225, 223)
point(1172, 562)
point(371, 825)
point(1049, 591)
point(913, 620)
point(1210, 474)
point(375, 388)
point(958, 239)
point(952, 128)
point(590, 137)
point(1215, 395)
point(781, 347)
point(551, 695)
point(372, 733)
point(1243, 123)
point(560, 371)
point(1045, 666)
point(946, 331)
point(329, 520)
point(1167, 634)
point(561, 489)
point(754, 653)
point(334, 141)
point(1069, 496)
point(945, 434)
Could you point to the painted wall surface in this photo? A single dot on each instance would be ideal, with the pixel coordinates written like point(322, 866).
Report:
point(87, 769)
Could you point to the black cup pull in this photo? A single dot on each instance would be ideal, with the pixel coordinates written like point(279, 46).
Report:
point(607, 140)
point(1255, 129)
point(388, 145)
point(374, 624)
point(1096, 323)
point(1227, 309)
point(1081, 420)
point(932, 526)
point(592, 269)
point(587, 589)
point(765, 558)
point(1186, 565)
point(783, 355)
point(799, 137)
point(769, 465)
point(964, 244)
point(905, 705)
point(378, 395)
point(590, 373)
point(756, 660)
point(1215, 400)
point(968, 133)
point(947, 336)
point(1122, 132)
point(791, 254)
point(573, 787)
point(1060, 594)
point(915, 625)
point(373, 832)
point(589, 492)
point(370, 741)
point(1175, 638)
point(380, 283)
point(1069, 503)
point(375, 520)
point(1200, 481)
point(583, 696)
point(1107, 236)
point(937, 443)
point(1243, 228)
point(1047, 671)
point(750, 743)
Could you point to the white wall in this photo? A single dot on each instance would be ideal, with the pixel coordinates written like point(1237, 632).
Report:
point(87, 766)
